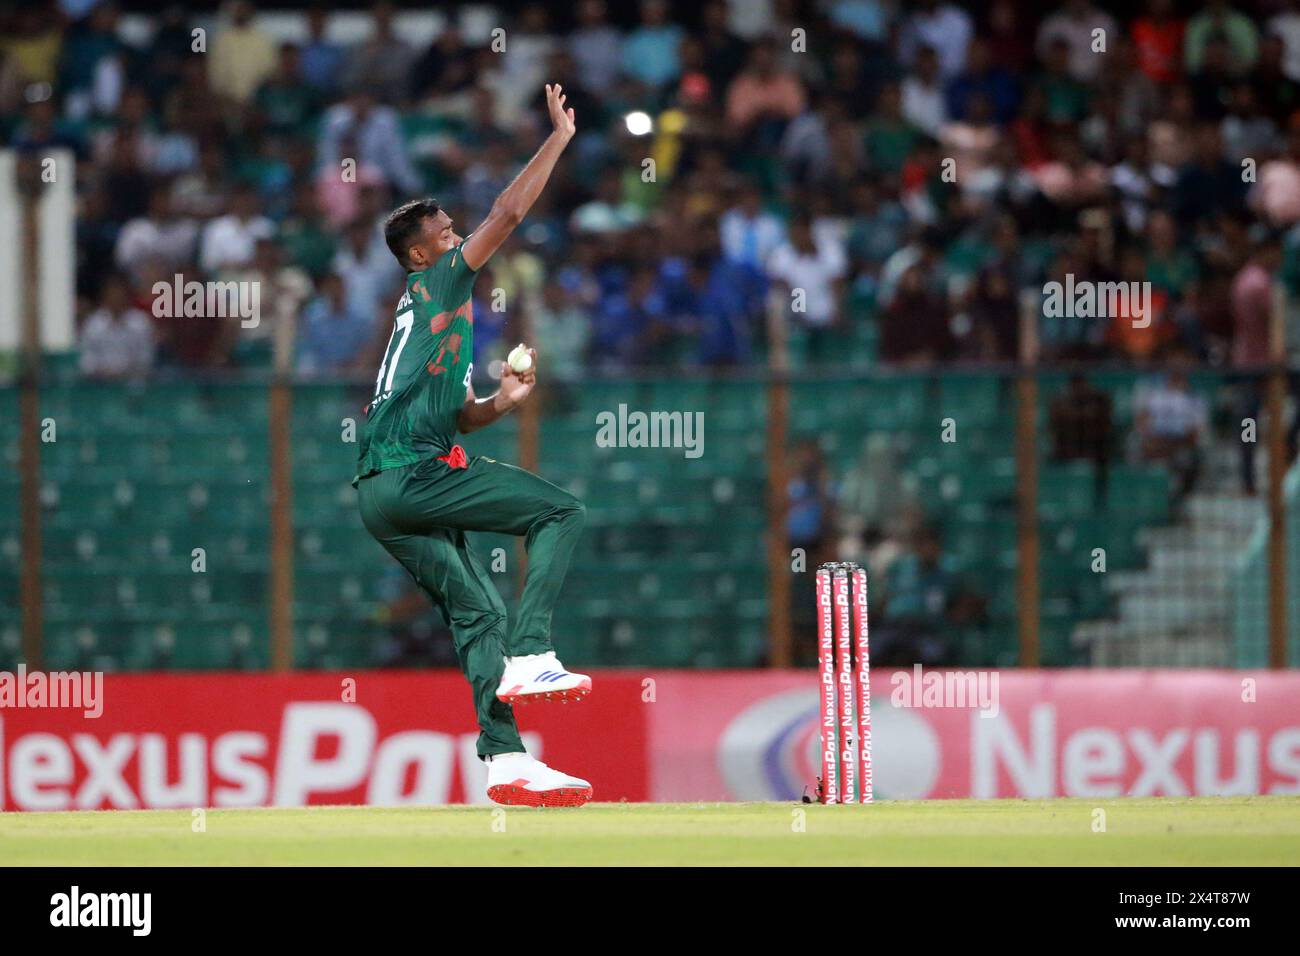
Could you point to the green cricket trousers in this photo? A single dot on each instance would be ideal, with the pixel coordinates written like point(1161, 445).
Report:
point(420, 513)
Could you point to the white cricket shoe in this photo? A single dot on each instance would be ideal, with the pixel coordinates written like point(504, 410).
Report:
point(518, 780)
point(540, 677)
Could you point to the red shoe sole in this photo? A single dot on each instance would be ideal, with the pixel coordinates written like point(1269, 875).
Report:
point(563, 696)
point(509, 795)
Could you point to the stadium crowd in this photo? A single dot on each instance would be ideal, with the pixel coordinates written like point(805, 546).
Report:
point(911, 169)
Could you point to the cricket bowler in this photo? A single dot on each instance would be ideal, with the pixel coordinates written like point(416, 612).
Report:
point(419, 493)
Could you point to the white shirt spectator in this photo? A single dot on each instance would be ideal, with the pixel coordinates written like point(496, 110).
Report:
point(816, 273)
point(1287, 26)
point(1077, 32)
point(924, 105)
point(1172, 412)
point(946, 28)
point(118, 346)
point(145, 240)
point(750, 239)
point(229, 241)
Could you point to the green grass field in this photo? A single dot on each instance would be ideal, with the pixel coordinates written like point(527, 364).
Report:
point(1153, 832)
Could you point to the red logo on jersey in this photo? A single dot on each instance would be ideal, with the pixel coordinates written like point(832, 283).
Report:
point(443, 319)
point(450, 344)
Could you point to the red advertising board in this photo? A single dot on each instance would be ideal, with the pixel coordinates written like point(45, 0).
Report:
point(234, 740)
point(226, 740)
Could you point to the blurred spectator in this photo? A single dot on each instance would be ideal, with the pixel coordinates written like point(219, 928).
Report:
point(1158, 36)
point(1010, 35)
point(1217, 20)
point(763, 98)
point(1252, 309)
point(1276, 90)
point(201, 192)
point(1277, 194)
point(307, 240)
point(230, 241)
point(281, 291)
point(116, 340)
point(531, 48)
point(1080, 423)
point(596, 46)
point(371, 277)
point(749, 232)
point(605, 213)
point(170, 47)
point(1246, 131)
point(984, 77)
point(810, 511)
point(872, 496)
point(93, 63)
point(34, 43)
point(286, 103)
point(914, 328)
point(888, 137)
point(622, 319)
point(381, 63)
point(492, 315)
point(41, 131)
point(1252, 306)
point(807, 148)
point(445, 69)
point(1075, 25)
point(944, 27)
point(1117, 165)
point(1211, 83)
point(322, 60)
point(1066, 97)
point(1284, 26)
point(726, 301)
point(160, 236)
point(724, 52)
point(994, 334)
point(1171, 420)
point(924, 599)
point(923, 94)
point(561, 330)
point(868, 19)
point(489, 172)
point(809, 276)
point(877, 227)
point(334, 337)
point(241, 56)
point(650, 51)
point(360, 129)
point(1209, 184)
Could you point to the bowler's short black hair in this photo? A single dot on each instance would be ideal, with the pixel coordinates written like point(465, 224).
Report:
point(404, 223)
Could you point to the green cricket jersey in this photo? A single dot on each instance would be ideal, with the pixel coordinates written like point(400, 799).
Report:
point(425, 374)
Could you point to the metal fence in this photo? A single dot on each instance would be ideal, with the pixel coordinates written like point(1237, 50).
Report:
point(1012, 516)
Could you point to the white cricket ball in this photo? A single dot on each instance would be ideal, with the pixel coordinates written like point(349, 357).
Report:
point(519, 360)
